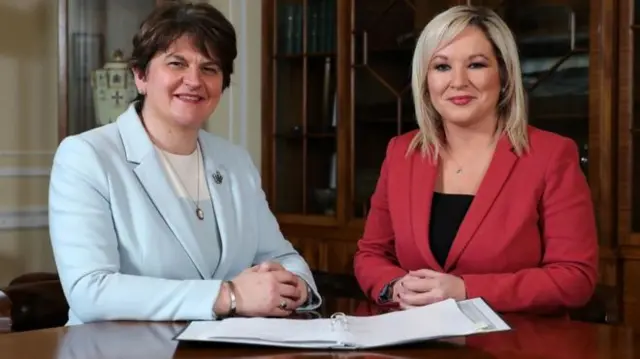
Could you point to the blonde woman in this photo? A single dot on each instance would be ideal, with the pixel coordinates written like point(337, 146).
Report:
point(477, 203)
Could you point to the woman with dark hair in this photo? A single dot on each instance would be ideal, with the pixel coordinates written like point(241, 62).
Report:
point(152, 218)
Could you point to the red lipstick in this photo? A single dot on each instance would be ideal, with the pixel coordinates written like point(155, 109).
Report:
point(461, 100)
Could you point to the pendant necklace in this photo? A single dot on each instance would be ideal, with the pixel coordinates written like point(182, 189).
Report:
point(458, 171)
point(199, 211)
point(459, 168)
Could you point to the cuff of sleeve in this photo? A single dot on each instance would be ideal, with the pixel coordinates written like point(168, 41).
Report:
point(200, 300)
point(314, 300)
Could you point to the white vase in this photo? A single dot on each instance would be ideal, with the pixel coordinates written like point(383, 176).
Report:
point(113, 89)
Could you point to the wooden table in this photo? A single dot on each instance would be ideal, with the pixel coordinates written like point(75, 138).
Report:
point(532, 337)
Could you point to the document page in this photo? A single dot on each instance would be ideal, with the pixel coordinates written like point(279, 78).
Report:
point(480, 313)
point(438, 320)
point(265, 331)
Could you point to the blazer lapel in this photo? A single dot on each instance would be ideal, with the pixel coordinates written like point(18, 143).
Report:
point(423, 176)
point(221, 184)
point(499, 169)
point(151, 174)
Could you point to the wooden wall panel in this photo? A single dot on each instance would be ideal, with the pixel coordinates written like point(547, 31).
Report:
point(624, 116)
point(631, 292)
point(339, 256)
point(327, 255)
point(608, 273)
point(310, 249)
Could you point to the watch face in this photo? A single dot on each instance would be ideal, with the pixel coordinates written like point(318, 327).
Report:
point(385, 294)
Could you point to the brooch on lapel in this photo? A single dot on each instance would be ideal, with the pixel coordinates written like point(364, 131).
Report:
point(217, 177)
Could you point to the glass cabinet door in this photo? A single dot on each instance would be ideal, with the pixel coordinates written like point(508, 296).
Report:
point(303, 133)
point(384, 35)
point(553, 42)
point(635, 126)
point(95, 31)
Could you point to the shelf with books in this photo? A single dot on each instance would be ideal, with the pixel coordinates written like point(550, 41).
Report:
point(302, 177)
point(313, 18)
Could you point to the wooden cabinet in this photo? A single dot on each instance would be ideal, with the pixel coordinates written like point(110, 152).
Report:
point(627, 113)
point(328, 113)
point(336, 77)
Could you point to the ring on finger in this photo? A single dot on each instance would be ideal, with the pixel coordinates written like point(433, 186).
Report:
point(283, 304)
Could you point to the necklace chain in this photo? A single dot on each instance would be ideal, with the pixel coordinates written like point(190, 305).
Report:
point(459, 169)
point(199, 212)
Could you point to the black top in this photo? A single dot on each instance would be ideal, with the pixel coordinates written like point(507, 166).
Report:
point(447, 213)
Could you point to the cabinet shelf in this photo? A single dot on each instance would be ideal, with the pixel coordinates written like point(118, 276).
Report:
point(308, 220)
point(311, 55)
point(310, 136)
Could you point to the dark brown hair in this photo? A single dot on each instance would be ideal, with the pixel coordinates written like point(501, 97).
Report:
point(211, 32)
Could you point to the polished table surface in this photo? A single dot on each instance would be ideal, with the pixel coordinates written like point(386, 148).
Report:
point(531, 337)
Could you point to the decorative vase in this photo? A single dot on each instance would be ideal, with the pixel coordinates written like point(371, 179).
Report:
point(113, 89)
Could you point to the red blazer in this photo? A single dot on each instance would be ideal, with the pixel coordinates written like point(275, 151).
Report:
point(527, 243)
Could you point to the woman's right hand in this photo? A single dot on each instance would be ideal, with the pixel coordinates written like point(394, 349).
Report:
point(425, 286)
point(260, 293)
point(397, 289)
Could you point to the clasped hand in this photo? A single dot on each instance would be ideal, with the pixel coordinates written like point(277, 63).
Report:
point(268, 290)
point(425, 286)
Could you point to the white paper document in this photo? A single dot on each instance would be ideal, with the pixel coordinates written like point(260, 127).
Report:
point(439, 320)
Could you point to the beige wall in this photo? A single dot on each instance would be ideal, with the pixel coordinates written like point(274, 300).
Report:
point(28, 104)
point(28, 108)
point(238, 117)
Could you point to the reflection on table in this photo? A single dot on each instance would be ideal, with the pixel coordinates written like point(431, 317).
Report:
point(531, 337)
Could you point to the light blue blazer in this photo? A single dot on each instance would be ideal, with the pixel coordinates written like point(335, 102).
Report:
point(117, 228)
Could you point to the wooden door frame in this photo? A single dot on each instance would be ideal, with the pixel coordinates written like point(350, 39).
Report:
point(603, 139)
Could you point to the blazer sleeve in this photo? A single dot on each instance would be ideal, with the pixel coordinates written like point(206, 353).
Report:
point(272, 246)
point(85, 247)
point(375, 262)
point(568, 272)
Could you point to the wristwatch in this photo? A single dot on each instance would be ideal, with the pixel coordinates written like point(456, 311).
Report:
point(386, 294)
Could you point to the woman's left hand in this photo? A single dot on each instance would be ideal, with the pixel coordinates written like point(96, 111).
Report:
point(425, 286)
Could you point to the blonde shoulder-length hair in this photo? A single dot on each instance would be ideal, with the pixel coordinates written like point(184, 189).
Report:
point(441, 30)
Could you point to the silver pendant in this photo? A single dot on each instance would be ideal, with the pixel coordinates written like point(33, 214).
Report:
point(199, 213)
